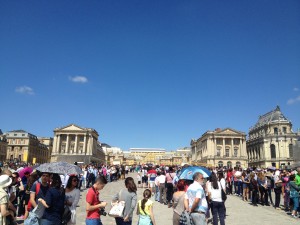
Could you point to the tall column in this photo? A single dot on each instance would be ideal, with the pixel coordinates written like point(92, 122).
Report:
point(240, 148)
point(223, 148)
point(232, 150)
point(58, 145)
point(67, 144)
point(54, 143)
point(84, 144)
point(75, 147)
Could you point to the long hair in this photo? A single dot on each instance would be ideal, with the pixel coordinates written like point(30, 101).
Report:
point(214, 180)
point(56, 181)
point(69, 184)
point(221, 175)
point(130, 185)
point(147, 195)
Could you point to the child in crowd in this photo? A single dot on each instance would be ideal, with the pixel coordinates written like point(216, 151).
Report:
point(145, 210)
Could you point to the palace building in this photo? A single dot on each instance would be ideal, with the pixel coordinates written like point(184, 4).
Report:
point(77, 144)
point(221, 147)
point(271, 141)
point(25, 147)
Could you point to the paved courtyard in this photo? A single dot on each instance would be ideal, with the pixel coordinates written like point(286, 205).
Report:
point(238, 212)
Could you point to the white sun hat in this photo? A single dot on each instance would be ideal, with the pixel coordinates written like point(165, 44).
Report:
point(5, 181)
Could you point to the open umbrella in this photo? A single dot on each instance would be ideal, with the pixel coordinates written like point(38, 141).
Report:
point(60, 168)
point(188, 172)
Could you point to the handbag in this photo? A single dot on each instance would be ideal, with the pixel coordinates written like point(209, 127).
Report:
point(117, 209)
point(66, 216)
point(224, 196)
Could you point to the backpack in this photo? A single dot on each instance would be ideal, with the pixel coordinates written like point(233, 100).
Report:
point(66, 216)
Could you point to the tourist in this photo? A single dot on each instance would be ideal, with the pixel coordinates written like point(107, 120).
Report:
point(93, 204)
point(169, 185)
point(144, 177)
point(72, 197)
point(30, 181)
point(139, 179)
point(129, 196)
point(254, 187)
point(156, 182)
point(277, 188)
point(215, 195)
point(145, 210)
point(5, 181)
point(178, 201)
point(162, 187)
point(286, 194)
point(294, 195)
point(54, 202)
point(245, 183)
point(262, 187)
point(270, 186)
point(229, 181)
point(195, 200)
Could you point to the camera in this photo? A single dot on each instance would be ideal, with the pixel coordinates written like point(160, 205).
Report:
point(102, 212)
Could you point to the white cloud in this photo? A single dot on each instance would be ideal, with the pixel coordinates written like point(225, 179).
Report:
point(78, 79)
point(293, 100)
point(25, 90)
point(295, 89)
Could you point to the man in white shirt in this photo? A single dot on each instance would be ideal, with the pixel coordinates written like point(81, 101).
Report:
point(162, 188)
point(195, 200)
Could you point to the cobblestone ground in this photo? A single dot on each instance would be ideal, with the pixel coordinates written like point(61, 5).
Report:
point(238, 212)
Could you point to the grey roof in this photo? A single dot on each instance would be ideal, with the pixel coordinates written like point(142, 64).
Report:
point(273, 116)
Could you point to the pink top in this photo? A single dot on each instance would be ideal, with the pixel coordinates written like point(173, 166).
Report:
point(169, 177)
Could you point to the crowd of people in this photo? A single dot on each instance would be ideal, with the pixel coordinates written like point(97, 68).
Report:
point(193, 201)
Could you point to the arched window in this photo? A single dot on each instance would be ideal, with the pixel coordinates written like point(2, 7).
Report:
point(229, 164)
point(291, 152)
point(220, 163)
point(238, 164)
point(273, 151)
point(275, 130)
point(218, 151)
point(227, 152)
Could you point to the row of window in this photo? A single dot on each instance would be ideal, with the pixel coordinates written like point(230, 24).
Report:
point(229, 164)
point(273, 152)
point(227, 151)
point(236, 141)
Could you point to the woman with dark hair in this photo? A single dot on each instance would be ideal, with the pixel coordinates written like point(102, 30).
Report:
point(215, 195)
point(145, 210)
point(54, 202)
point(178, 201)
point(72, 197)
point(169, 185)
point(32, 178)
point(128, 195)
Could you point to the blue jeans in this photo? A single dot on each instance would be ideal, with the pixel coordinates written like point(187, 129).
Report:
point(157, 194)
point(120, 221)
point(93, 222)
point(239, 186)
point(198, 219)
point(296, 203)
point(48, 222)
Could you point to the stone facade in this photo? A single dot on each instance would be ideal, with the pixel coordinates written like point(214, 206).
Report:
point(77, 144)
point(271, 141)
point(25, 147)
point(47, 141)
point(219, 148)
point(3, 147)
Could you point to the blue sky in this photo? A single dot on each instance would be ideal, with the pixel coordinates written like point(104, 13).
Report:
point(147, 73)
